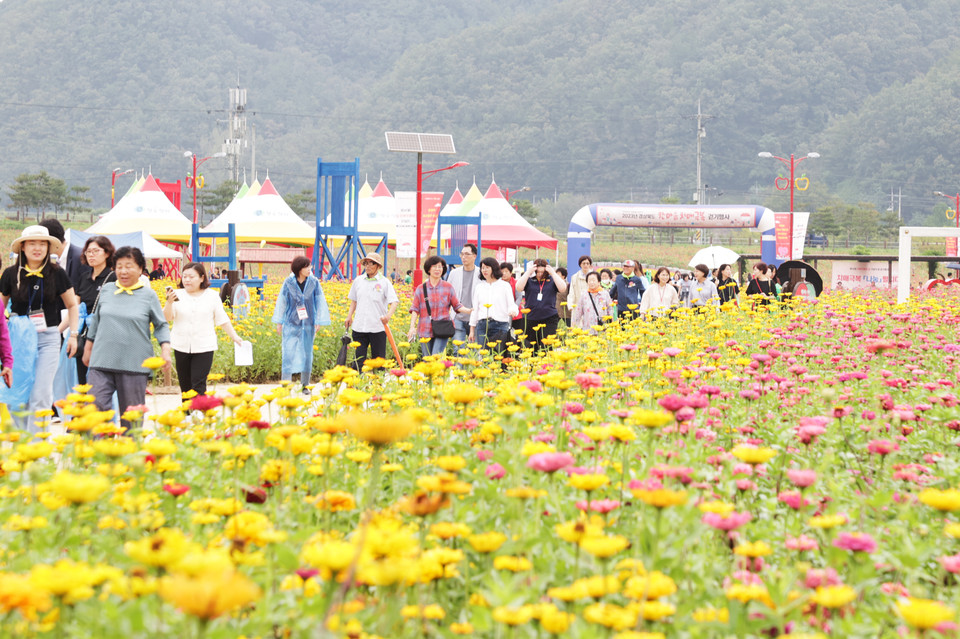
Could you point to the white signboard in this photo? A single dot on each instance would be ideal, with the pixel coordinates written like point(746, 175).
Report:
point(852, 275)
point(651, 215)
point(406, 224)
point(800, 220)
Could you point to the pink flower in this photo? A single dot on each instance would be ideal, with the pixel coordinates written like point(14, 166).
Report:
point(742, 469)
point(532, 385)
point(484, 455)
point(602, 506)
point(671, 403)
point(951, 563)
point(801, 543)
point(882, 446)
point(549, 462)
point(573, 408)
point(588, 380)
point(855, 542)
point(730, 522)
point(672, 351)
point(205, 402)
point(802, 478)
point(793, 498)
point(685, 414)
point(817, 577)
point(495, 471)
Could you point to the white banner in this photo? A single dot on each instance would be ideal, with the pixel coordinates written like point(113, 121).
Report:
point(800, 220)
point(851, 275)
point(406, 223)
point(651, 215)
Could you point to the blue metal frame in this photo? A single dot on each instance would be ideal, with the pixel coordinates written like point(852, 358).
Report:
point(231, 258)
point(337, 202)
point(459, 235)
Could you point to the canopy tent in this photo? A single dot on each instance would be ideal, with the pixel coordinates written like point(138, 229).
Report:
point(453, 205)
point(502, 226)
point(151, 248)
point(377, 213)
point(264, 216)
point(148, 210)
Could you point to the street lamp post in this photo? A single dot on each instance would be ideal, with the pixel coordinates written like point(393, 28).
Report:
point(418, 242)
point(193, 178)
point(507, 192)
point(956, 215)
point(792, 163)
point(113, 183)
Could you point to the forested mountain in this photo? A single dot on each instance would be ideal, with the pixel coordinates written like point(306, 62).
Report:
point(590, 97)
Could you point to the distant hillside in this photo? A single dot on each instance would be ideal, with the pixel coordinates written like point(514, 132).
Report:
point(576, 96)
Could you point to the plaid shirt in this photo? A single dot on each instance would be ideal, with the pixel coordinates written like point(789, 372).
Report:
point(441, 297)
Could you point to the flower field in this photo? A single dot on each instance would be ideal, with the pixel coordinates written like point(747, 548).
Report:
point(791, 473)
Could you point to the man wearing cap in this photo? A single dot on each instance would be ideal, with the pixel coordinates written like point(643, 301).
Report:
point(372, 303)
point(627, 291)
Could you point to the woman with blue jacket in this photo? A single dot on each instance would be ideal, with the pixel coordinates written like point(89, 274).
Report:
point(301, 310)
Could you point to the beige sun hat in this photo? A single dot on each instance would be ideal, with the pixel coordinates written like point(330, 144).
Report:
point(35, 232)
point(373, 257)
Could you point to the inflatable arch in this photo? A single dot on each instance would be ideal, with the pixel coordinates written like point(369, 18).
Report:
point(668, 216)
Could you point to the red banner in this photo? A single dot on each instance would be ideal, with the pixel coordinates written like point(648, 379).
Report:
point(784, 235)
point(430, 211)
point(952, 246)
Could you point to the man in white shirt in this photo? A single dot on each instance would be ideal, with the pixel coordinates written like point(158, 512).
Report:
point(464, 280)
point(373, 302)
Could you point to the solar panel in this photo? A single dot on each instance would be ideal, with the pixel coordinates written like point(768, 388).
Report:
point(420, 142)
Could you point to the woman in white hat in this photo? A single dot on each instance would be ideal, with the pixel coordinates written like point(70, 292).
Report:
point(36, 288)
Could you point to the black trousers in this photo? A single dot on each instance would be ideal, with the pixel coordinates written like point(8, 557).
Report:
point(548, 329)
point(192, 370)
point(376, 342)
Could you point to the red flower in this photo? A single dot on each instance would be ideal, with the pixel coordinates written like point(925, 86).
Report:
point(258, 425)
point(205, 402)
point(176, 489)
point(254, 495)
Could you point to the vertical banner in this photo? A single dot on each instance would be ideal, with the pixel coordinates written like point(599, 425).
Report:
point(406, 223)
point(951, 246)
point(800, 220)
point(783, 233)
point(502, 254)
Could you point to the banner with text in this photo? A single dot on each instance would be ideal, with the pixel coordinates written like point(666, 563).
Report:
point(407, 221)
point(850, 275)
point(783, 233)
point(651, 215)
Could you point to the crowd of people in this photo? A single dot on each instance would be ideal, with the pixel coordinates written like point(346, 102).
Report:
point(98, 316)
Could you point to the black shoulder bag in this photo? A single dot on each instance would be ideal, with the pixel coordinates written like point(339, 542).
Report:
point(438, 327)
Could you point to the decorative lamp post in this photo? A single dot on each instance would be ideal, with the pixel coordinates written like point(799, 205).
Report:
point(195, 180)
point(792, 163)
point(507, 192)
point(956, 206)
point(113, 183)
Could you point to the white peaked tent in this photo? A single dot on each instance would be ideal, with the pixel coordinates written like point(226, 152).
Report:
point(378, 212)
point(264, 216)
point(501, 225)
point(148, 210)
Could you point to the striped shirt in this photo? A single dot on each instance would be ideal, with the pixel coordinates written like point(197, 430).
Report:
point(442, 298)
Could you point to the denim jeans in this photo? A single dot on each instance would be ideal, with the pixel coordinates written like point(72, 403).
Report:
point(41, 396)
point(461, 328)
point(488, 330)
point(436, 346)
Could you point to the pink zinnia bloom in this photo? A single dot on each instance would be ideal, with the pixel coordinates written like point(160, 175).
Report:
point(672, 351)
point(588, 380)
point(532, 385)
point(951, 563)
point(205, 402)
point(855, 542)
point(802, 478)
point(817, 577)
point(671, 403)
point(793, 498)
point(728, 523)
point(484, 455)
point(573, 408)
point(882, 446)
point(549, 462)
point(495, 471)
point(801, 543)
point(602, 506)
point(685, 414)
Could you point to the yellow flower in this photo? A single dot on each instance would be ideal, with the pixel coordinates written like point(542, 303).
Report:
point(944, 500)
point(210, 595)
point(160, 447)
point(431, 611)
point(115, 446)
point(746, 593)
point(153, 363)
point(610, 615)
point(652, 586)
point(463, 394)
point(553, 620)
point(650, 418)
point(577, 531)
point(661, 497)
point(251, 527)
point(487, 542)
point(589, 482)
point(17, 592)
point(461, 628)
point(755, 549)
point(833, 596)
point(79, 489)
point(513, 616)
point(379, 430)
point(827, 521)
point(515, 564)
point(753, 455)
point(165, 547)
point(451, 463)
point(604, 546)
point(924, 613)
point(711, 614)
point(654, 610)
point(952, 530)
point(449, 530)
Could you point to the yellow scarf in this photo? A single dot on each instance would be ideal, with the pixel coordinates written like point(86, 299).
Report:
point(36, 273)
point(128, 291)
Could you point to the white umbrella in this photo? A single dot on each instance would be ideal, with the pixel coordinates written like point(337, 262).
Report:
point(714, 256)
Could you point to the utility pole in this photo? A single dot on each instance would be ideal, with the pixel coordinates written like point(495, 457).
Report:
point(701, 134)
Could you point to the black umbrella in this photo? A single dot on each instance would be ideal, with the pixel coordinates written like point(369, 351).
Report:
point(344, 347)
point(812, 276)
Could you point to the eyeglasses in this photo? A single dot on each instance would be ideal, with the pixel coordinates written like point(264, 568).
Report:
point(93, 251)
point(466, 252)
